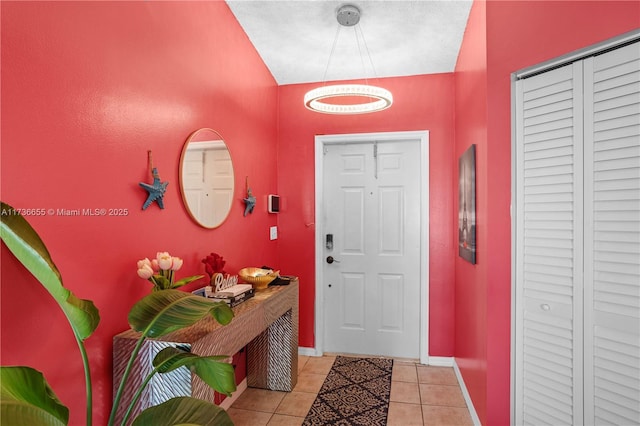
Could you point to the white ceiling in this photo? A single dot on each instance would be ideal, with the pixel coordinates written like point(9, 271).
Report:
point(295, 37)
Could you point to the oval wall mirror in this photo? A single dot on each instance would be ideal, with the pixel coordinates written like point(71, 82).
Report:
point(206, 178)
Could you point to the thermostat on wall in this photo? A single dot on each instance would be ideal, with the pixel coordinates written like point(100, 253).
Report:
point(274, 204)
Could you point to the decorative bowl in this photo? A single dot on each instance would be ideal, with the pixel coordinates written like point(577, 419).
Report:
point(258, 277)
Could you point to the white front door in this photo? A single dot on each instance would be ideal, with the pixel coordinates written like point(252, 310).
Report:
point(372, 223)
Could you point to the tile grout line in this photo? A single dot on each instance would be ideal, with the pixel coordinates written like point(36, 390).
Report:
point(420, 394)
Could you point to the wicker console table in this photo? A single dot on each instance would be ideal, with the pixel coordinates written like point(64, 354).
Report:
point(267, 324)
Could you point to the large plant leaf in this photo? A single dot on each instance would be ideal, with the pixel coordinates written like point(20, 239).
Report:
point(28, 248)
point(213, 370)
point(26, 399)
point(164, 311)
point(183, 411)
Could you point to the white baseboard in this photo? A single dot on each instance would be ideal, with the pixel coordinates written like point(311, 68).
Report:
point(441, 361)
point(465, 393)
point(234, 396)
point(308, 351)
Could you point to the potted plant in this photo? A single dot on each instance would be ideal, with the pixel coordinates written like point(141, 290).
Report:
point(27, 399)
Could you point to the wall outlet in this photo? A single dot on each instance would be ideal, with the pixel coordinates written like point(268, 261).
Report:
point(273, 233)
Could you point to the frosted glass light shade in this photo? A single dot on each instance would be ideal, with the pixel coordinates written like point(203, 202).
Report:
point(314, 99)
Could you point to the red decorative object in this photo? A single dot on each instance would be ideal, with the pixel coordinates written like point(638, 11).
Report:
point(214, 264)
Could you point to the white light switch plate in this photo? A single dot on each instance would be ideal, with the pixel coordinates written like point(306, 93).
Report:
point(273, 233)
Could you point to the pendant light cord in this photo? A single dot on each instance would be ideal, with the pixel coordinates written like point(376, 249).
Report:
point(333, 48)
point(364, 69)
point(366, 48)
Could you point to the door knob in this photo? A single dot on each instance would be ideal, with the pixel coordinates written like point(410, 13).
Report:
point(330, 260)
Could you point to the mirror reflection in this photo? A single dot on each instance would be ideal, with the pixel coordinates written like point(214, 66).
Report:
point(206, 178)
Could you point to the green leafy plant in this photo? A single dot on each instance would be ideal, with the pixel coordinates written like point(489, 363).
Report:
point(27, 399)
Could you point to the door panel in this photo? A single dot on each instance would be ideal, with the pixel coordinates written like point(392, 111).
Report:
point(548, 258)
point(390, 225)
point(612, 236)
point(391, 287)
point(353, 293)
point(353, 219)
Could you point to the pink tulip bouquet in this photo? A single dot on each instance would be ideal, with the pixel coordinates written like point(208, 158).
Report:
point(161, 271)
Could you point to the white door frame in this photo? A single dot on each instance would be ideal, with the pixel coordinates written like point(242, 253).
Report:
point(320, 142)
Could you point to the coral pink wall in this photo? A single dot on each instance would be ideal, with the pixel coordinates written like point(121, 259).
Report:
point(87, 89)
point(420, 103)
point(517, 34)
point(470, 285)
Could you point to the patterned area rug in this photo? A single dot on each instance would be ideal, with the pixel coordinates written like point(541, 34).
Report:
point(355, 392)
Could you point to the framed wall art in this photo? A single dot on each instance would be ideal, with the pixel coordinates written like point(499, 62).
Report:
point(467, 205)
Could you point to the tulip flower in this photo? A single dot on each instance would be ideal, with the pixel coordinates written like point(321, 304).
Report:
point(144, 262)
point(176, 263)
point(145, 271)
point(164, 260)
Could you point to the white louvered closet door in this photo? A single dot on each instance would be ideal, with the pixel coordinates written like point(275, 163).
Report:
point(577, 253)
point(612, 237)
point(549, 248)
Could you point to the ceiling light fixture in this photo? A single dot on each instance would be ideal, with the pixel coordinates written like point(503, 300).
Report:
point(334, 99)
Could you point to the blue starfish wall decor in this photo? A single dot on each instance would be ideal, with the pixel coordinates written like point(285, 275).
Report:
point(250, 201)
point(156, 190)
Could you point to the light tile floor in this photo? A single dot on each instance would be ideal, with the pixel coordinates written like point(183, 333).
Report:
point(420, 395)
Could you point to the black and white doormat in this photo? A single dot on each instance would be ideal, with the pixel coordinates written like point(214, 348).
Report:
point(355, 392)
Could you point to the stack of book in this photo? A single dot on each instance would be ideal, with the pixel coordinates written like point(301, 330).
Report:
point(233, 295)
